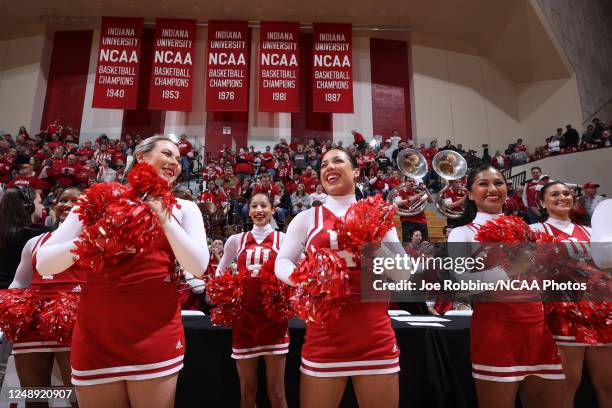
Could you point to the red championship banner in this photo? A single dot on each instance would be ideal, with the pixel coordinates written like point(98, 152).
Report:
point(227, 70)
point(279, 59)
point(332, 69)
point(116, 84)
point(173, 57)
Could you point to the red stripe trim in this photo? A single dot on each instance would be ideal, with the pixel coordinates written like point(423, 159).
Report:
point(124, 373)
point(315, 226)
point(350, 368)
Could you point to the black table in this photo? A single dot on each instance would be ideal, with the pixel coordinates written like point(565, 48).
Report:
point(435, 367)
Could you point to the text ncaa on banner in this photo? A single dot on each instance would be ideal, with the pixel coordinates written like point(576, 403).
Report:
point(173, 58)
point(279, 87)
point(332, 69)
point(227, 70)
point(116, 85)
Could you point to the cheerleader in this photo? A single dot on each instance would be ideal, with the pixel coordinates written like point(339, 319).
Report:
point(360, 344)
point(555, 203)
point(128, 342)
point(34, 355)
point(512, 349)
point(254, 334)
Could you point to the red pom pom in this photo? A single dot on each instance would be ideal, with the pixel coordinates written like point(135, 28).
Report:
point(507, 229)
point(117, 222)
point(17, 311)
point(366, 221)
point(323, 287)
point(275, 294)
point(145, 181)
point(589, 322)
point(225, 291)
point(58, 316)
point(91, 206)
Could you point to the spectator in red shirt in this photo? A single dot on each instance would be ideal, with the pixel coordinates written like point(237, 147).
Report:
point(359, 140)
point(55, 127)
point(378, 183)
point(530, 195)
point(244, 168)
point(26, 178)
point(55, 142)
point(514, 203)
point(65, 172)
point(309, 179)
point(186, 152)
point(269, 162)
point(394, 180)
point(87, 172)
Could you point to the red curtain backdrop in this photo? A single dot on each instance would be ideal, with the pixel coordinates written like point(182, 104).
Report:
point(305, 124)
point(238, 122)
point(67, 79)
point(141, 120)
point(390, 87)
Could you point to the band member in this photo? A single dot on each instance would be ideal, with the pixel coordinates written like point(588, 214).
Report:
point(512, 349)
point(254, 334)
point(454, 199)
point(555, 202)
point(360, 344)
point(406, 197)
point(128, 342)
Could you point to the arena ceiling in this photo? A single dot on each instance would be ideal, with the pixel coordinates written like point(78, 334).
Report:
point(508, 31)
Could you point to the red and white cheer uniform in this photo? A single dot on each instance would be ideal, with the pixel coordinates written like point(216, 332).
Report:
point(70, 281)
point(509, 340)
point(577, 240)
point(361, 341)
point(254, 334)
point(129, 326)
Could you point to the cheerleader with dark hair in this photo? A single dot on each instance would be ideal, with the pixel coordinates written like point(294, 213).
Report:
point(556, 201)
point(512, 349)
point(361, 343)
point(254, 334)
point(35, 352)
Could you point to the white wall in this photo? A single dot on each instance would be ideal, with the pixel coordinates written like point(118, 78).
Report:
point(97, 121)
point(578, 168)
point(545, 106)
point(24, 64)
point(464, 97)
point(361, 118)
point(193, 123)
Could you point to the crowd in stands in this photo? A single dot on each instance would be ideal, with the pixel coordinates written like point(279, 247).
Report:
point(53, 160)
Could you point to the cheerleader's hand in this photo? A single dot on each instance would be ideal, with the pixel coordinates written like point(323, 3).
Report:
point(156, 205)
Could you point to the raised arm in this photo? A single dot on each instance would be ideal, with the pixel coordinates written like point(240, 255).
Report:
point(188, 239)
point(56, 255)
point(230, 251)
point(292, 246)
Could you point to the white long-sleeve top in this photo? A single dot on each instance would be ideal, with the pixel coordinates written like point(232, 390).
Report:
point(23, 275)
point(184, 230)
point(232, 246)
point(601, 236)
point(295, 239)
